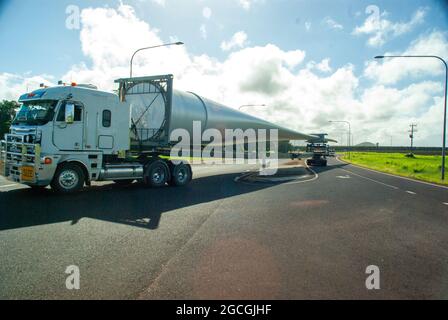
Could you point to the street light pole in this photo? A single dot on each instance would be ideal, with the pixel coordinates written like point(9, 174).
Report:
point(146, 48)
point(446, 92)
point(349, 134)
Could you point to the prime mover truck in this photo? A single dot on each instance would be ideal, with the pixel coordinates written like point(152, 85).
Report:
point(67, 136)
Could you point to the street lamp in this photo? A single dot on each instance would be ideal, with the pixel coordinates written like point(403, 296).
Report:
point(252, 105)
point(446, 89)
point(349, 134)
point(146, 48)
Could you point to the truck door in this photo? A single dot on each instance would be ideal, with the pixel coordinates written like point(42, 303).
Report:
point(69, 136)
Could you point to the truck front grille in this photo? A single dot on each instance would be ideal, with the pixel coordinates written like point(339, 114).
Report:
point(15, 153)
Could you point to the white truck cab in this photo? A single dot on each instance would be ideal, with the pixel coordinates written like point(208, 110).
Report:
point(70, 135)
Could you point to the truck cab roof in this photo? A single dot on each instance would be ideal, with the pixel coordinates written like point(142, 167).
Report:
point(65, 92)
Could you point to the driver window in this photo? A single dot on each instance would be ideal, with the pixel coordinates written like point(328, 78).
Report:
point(78, 113)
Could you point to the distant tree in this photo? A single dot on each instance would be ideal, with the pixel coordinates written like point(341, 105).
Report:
point(7, 113)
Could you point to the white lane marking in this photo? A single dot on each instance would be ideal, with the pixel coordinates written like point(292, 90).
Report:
point(410, 192)
point(9, 185)
point(445, 203)
point(316, 176)
point(343, 177)
point(373, 180)
point(393, 175)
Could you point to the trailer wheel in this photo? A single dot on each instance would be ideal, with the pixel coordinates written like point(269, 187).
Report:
point(156, 174)
point(181, 175)
point(69, 178)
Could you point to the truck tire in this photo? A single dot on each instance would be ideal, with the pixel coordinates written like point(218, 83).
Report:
point(181, 175)
point(69, 178)
point(156, 174)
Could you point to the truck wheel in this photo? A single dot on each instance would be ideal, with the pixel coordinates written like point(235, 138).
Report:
point(69, 178)
point(181, 175)
point(156, 174)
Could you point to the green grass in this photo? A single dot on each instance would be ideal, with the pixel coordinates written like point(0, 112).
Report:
point(425, 168)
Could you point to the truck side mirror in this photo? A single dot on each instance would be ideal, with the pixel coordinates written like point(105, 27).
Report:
point(69, 113)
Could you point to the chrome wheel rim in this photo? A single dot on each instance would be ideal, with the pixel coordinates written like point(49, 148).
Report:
point(182, 175)
point(68, 179)
point(158, 175)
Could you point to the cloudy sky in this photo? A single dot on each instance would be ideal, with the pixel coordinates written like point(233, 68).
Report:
point(308, 61)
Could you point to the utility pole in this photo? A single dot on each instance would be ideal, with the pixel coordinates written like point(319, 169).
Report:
point(412, 132)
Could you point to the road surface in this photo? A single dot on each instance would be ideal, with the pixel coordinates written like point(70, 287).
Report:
point(221, 239)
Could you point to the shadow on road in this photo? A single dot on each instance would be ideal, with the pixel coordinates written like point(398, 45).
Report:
point(331, 166)
point(135, 205)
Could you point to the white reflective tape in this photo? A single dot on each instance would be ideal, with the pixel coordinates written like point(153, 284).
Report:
point(8, 185)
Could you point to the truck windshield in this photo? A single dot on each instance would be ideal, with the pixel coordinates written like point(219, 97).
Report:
point(36, 112)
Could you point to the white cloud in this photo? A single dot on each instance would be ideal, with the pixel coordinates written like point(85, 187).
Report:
point(247, 4)
point(389, 111)
point(391, 71)
point(296, 96)
point(12, 85)
point(206, 12)
point(159, 2)
point(332, 24)
point(380, 30)
point(308, 26)
point(238, 40)
point(323, 66)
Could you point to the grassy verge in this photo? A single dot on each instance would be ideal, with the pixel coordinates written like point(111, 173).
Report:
point(425, 168)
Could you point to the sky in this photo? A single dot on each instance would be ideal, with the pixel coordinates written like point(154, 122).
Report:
point(308, 61)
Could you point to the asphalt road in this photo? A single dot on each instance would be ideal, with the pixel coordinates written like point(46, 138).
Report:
point(221, 239)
